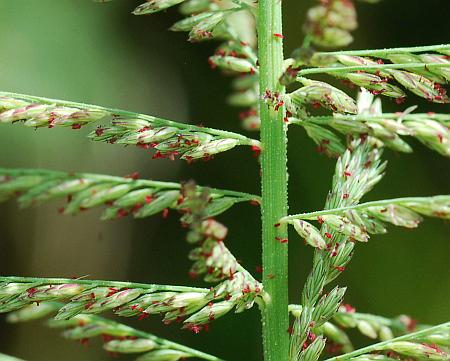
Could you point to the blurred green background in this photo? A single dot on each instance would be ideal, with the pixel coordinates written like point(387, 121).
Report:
point(99, 53)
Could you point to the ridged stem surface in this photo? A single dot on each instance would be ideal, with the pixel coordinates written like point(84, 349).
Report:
point(274, 183)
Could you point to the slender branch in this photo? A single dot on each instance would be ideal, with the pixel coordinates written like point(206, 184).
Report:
point(348, 69)
point(367, 117)
point(384, 202)
point(99, 283)
point(381, 52)
point(274, 183)
point(382, 345)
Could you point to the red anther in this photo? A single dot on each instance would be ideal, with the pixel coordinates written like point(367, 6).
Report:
point(180, 200)
point(243, 43)
point(305, 345)
point(88, 305)
point(143, 145)
point(31, 291)
point(411, 325)
point(143, 315)
point(441, 138)
point(211, 316)
point(84, 341)
point(121, 213)
point(51, 122)
point(148, 199)
point(276, 225)
point(210, 270)
point(220, 52)
point(179, 319)
point(379, 61)
point(211, 64)
point(347, 174)
point(281, 240)
point(433, 346)
point(136, 207)
point(431, 114)
point(328, 235)
point(246, 289)
point(133, 307)
point(254, 203)
point(257, 290)
point(290, 330)
point(400, 100)
point(99, 131)
point(76, 126)
point(278, 35)
point(367, 164)
point(349, 308)
point(345, 196)
point(363, 138)
point(256, 151)
point(320, 220)
point(112, 291)
point(258, 269)
point(107, 338)
point(340, 268)
point(335, 251)
point(231, 275)
point(143, 129)
point(286, 119)
point(279, 104)
point(334, 348)
point(165, 213)
point(315, 105)
point(195, 328)
point(158, 155)
point(134, 175)
point(311, 336)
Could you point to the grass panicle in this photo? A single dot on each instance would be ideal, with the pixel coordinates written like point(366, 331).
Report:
point(251, 50)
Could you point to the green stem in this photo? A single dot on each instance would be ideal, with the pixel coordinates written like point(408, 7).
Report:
point(382, 345)
point(384, 202)
point(348, 69)
point(275, 321)
point(243, 140)
point(97, 283)
point(382, 52)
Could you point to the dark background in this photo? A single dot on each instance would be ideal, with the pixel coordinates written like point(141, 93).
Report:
point(99, 53)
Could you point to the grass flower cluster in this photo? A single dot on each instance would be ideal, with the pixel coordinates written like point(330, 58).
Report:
point(274, 92)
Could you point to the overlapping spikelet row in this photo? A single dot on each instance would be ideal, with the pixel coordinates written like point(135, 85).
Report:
point(377, 327)
point(122, 195)
point(194, 307)
point(169, 139)
point(388, 128)
point(117, 338)
point(357, 171)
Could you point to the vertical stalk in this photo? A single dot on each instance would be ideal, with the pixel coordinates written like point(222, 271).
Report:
point(275, 321)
